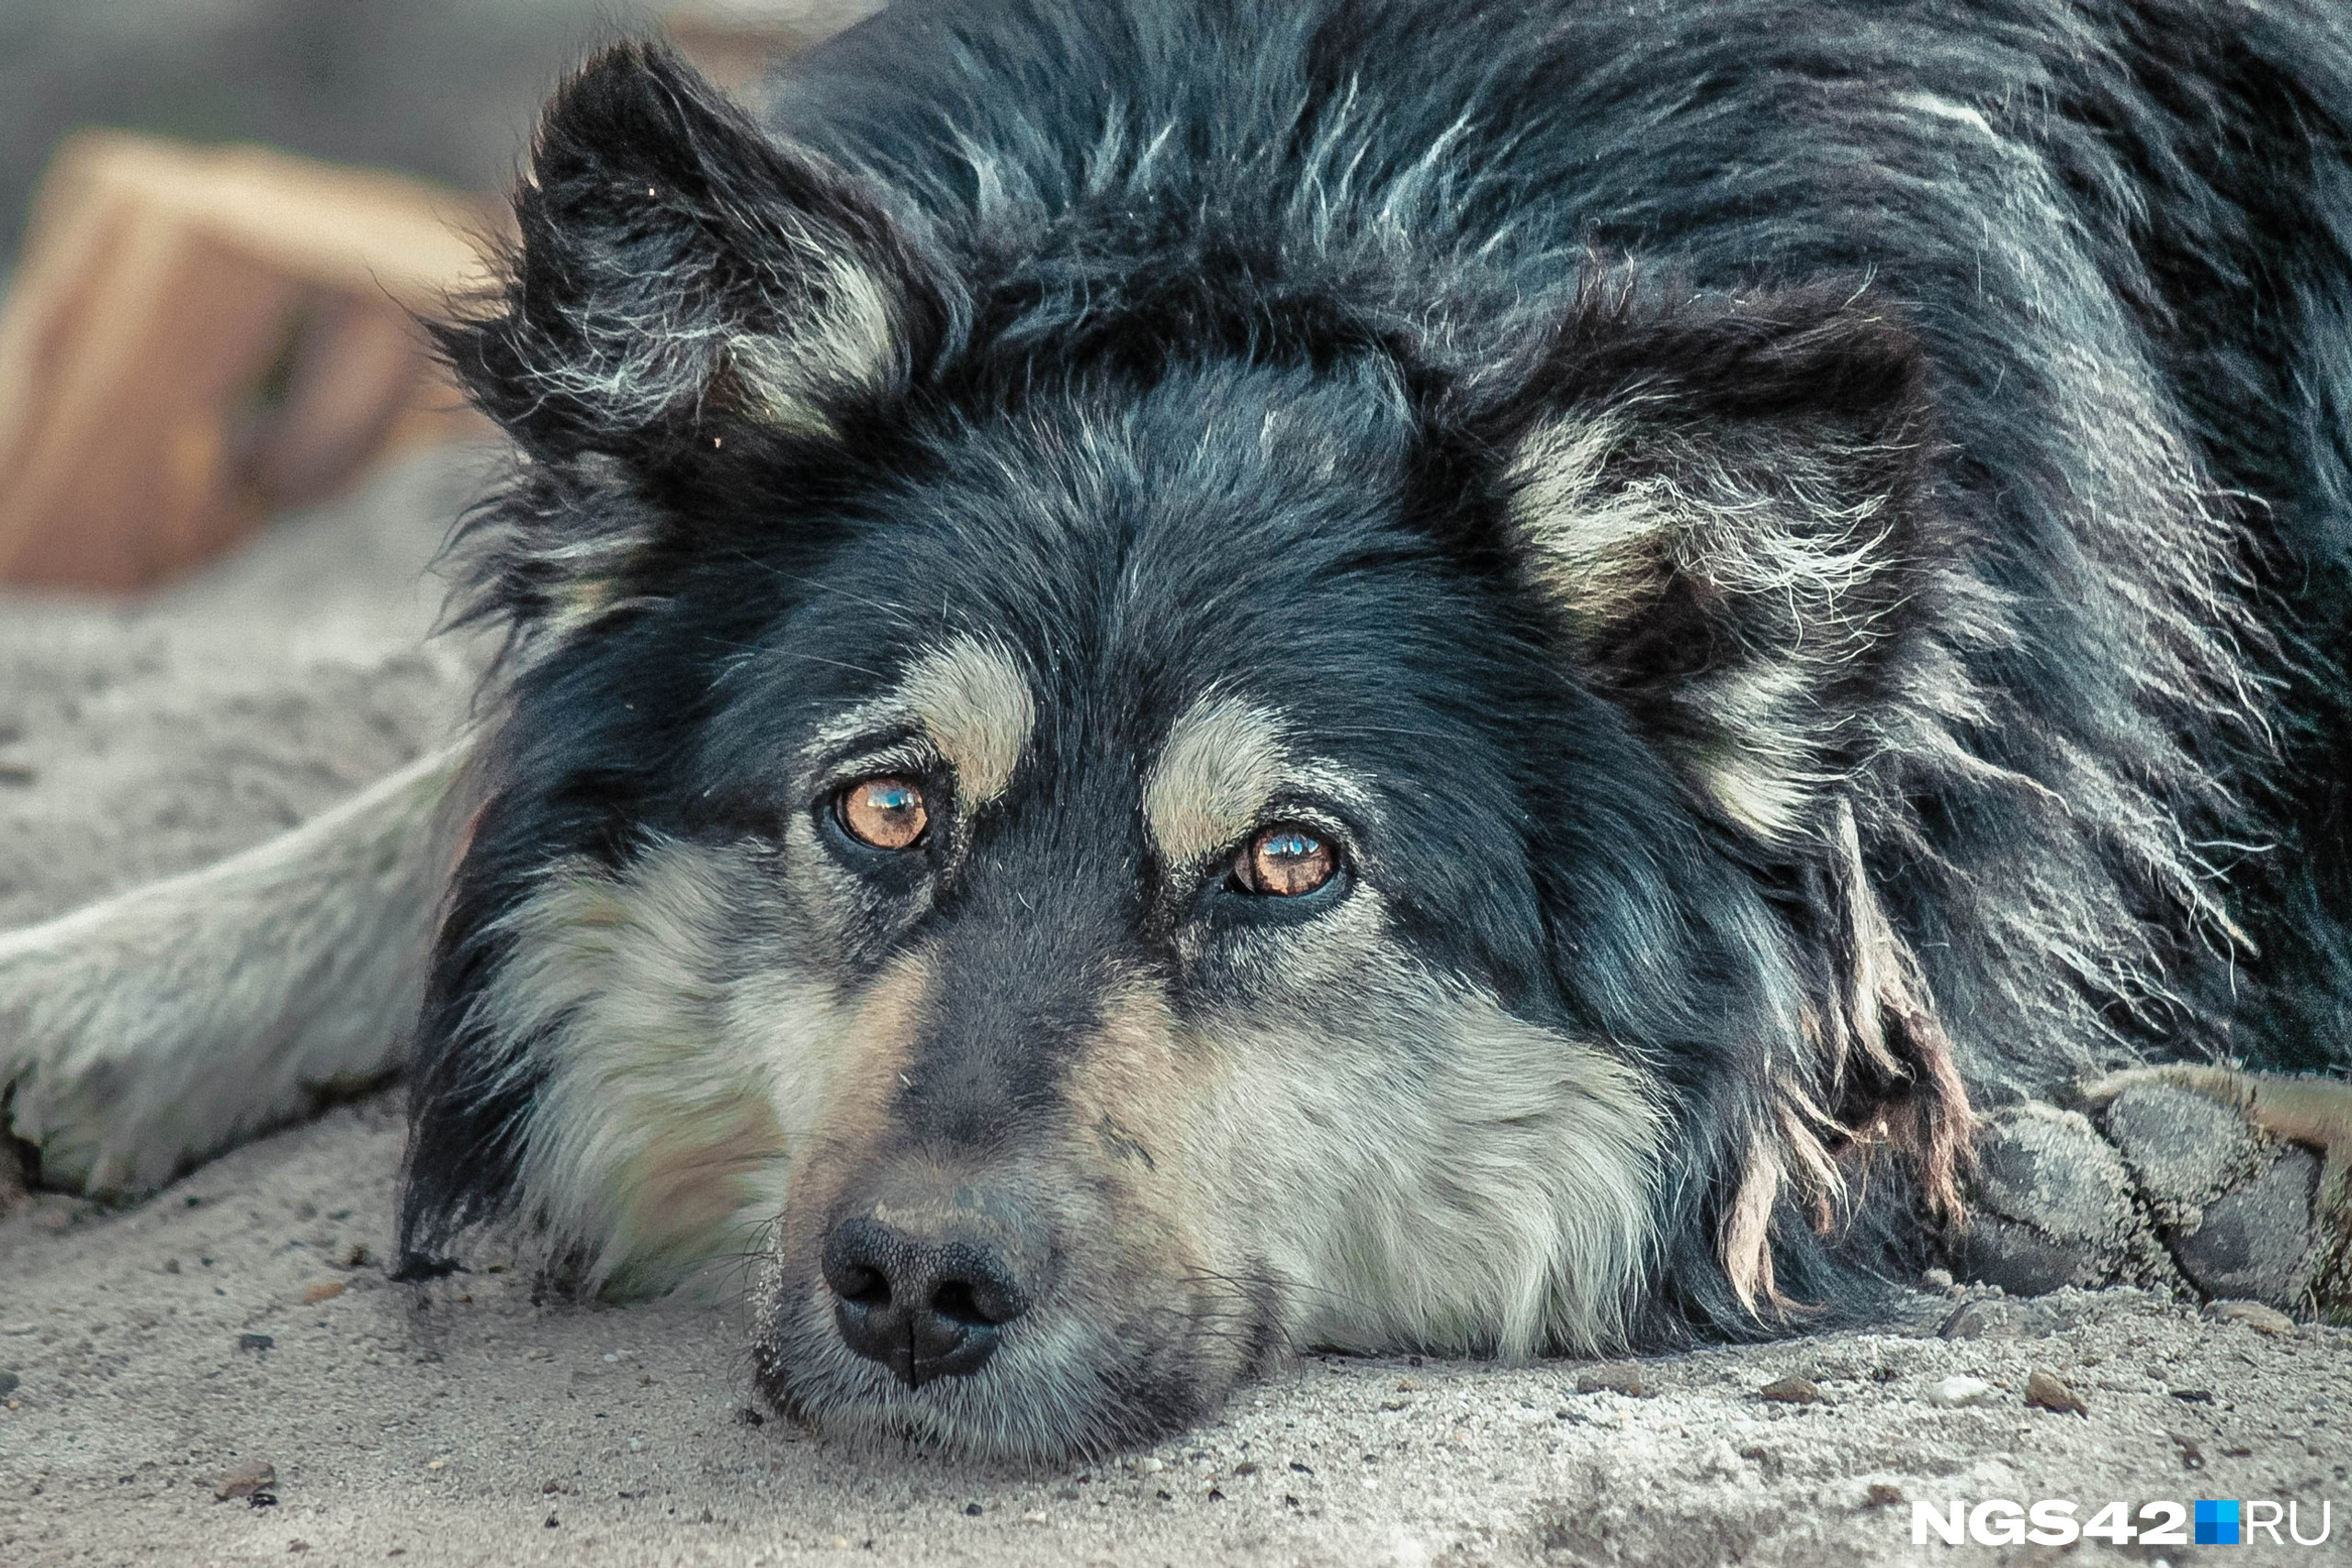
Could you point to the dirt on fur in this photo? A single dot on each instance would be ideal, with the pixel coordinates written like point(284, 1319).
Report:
point(239, 1325)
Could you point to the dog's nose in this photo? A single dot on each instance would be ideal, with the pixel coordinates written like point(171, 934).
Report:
point(923, 1307)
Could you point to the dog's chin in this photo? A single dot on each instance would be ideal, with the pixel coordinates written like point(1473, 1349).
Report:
point(1054, 1392)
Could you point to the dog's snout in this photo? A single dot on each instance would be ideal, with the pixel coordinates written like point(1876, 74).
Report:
point(924, 1306)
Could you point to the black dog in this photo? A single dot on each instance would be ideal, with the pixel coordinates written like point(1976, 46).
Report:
point(1198, 676)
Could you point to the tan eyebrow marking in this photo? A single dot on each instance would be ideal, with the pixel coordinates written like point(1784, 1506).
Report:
point(972, 700)
point(1223, 761)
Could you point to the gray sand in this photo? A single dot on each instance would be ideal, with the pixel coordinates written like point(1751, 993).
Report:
point(464, 1423)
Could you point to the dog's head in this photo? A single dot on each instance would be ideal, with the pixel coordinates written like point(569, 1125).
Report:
point(1100, 831)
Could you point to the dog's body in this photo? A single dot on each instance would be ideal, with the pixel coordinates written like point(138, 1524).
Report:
point(1197, 676)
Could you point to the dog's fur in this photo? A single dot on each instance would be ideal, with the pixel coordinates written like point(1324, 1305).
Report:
point(1796, 549)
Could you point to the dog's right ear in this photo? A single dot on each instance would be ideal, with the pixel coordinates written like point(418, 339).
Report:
point(679, 274)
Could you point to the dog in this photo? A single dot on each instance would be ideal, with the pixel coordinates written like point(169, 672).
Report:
point(1190, 677)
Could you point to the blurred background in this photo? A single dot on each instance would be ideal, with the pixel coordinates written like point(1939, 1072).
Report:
point(441, 88)
point(219, 218)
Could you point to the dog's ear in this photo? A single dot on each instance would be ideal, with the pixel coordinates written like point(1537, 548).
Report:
point(1724, 500)
point(1728, 503)
point(678, 271)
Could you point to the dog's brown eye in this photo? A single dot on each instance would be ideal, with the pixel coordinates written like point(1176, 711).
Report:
point(888, 813)
point(1285, 861)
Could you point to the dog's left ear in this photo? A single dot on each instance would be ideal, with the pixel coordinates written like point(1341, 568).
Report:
point(1724, 502)
point(1729, 505)
point(679, 269)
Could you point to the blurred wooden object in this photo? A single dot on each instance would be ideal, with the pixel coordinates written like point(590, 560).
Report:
point(198, 336)
point(732, 42)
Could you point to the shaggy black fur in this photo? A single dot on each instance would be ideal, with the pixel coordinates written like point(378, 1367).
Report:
point(2058, 293)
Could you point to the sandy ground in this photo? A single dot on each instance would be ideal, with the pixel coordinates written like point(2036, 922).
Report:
point(469, 1423)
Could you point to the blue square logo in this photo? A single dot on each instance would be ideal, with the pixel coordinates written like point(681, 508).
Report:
point(2217, 1524)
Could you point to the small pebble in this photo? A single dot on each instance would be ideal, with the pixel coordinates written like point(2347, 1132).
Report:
point(2044, 1391)
point(322, 1290)
point(1971, 1322)
point(1612, 1377)
point(972, 1510)
point(839, 1543)
point(1936, 1279)
point(9, 1382)
point(356, 1256)
point(1955, 1392)
point(1036, 1517)
point(1148, 1465)
point(255, 1475)
point(2254, 1315)
point(1884, 1494)
point(255, 1342)
point(1790, 1391)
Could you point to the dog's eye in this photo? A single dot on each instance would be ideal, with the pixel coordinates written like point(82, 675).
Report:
point(1284, 860)
point(888, 813)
